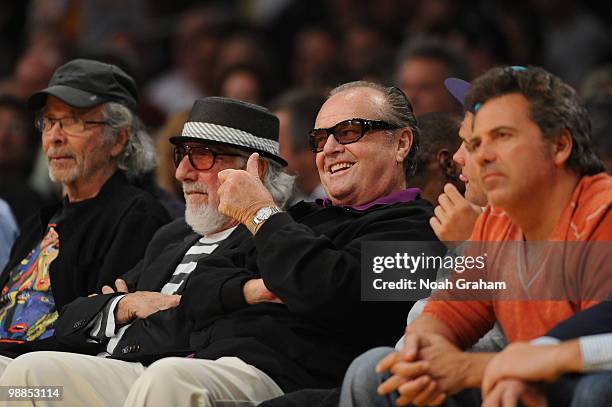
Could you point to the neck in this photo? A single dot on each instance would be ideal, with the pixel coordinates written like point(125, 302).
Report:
point(538, 215)
point(229, 224)
point(82, 189)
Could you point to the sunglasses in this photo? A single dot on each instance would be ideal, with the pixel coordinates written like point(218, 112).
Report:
point(345, 132)
point(200, 158)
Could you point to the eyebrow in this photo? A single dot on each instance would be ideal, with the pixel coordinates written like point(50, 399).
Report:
point(495, 129)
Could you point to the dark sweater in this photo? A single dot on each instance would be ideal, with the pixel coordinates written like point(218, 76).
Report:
point(311, 259)
point(102, 238)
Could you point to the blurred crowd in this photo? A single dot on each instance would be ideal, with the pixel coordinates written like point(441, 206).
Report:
point(284, 54)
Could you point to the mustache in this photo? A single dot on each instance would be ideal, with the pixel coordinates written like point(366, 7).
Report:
point(54, 151)
point(194, 187)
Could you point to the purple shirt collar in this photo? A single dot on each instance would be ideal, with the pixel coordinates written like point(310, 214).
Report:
point(405, 195)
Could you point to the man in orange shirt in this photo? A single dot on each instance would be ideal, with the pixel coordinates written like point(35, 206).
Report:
point(531, 143)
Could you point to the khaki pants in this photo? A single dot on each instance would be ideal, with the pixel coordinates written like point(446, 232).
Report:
point(4, 362)
point(95, 381)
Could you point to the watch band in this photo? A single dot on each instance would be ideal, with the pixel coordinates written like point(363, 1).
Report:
point(264, 214)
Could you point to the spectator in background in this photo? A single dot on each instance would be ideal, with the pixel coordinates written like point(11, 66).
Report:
point(365, 52)
point(246, 47)
point(485, 42)
point(19, 144)
point(599, 80)
point(599, 106)
point(315, 59)
point(32, 72)
point(422, 65)
point(569, 28)
point(244, 82)
point(8, 232)
point(297, 112)
point(94, 143)
point(434, 161)
point(198, 35)
point(166, 169)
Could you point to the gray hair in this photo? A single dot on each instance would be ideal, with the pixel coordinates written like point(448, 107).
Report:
point(397, 111)
point(277, 181)
point(139, 155)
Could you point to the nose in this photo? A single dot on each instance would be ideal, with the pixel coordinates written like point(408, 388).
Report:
point(484, 154)
point(185, 171)
point(459, 156)
point(55, 134)
point(332, 146)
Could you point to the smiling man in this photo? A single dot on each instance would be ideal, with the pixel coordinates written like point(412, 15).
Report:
point(93, 142)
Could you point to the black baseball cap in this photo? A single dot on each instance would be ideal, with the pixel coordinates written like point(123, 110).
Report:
point(86, 83)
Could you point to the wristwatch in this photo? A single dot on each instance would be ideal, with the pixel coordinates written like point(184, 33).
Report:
point(263, 214)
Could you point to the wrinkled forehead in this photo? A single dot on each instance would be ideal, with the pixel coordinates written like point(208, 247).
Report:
point(354, 103)
point(511, 110)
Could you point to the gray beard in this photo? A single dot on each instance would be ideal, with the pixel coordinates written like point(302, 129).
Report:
point(204, 219)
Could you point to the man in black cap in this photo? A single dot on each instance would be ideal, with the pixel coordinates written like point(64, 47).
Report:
point(123, 322)
point(93, 142)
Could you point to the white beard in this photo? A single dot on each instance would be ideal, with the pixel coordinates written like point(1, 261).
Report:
point(202, 217)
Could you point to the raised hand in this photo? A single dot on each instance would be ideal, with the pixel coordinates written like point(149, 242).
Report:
point(454, 217)
point(242, 194)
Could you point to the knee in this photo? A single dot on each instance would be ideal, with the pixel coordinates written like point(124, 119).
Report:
point(163, 372)
point(362, 372)
point(29, 368)
point(593, 390)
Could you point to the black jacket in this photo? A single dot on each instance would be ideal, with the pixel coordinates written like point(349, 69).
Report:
point(153, 335)
point(101, 239)
point(592, 321)
point(312, 262)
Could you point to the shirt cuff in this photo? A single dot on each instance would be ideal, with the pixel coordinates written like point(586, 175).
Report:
point(545, 340)
point(104, 322)
point(269, 227)
point(596, 351)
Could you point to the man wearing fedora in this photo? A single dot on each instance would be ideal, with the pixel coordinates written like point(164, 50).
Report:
point(94, 144)
point(123, 322)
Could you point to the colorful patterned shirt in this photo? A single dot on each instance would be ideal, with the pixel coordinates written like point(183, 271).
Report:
point(27, 307)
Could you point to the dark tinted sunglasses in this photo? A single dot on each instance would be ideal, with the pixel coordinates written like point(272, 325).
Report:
point(345, 132)
point(200, 158)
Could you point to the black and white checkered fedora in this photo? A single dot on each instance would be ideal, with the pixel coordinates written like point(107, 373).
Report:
point(232, 123)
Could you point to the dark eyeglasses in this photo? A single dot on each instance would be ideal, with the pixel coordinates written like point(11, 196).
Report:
point(345, 132)
point(200, 158)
